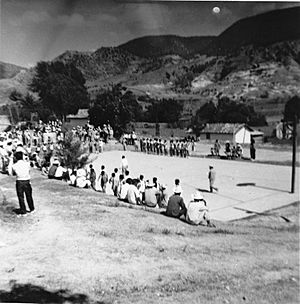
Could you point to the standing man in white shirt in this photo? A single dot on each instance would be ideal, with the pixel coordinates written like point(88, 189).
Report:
point(21, 169)
point(124, 164)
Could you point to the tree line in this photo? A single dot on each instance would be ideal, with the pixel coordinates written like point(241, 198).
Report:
point(58, 89)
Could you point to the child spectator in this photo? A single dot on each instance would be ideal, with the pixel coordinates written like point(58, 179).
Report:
point(103, 180)
point(114, 184)
point(141, 187)
point(92, 177)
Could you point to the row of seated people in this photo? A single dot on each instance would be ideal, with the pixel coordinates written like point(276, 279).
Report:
point(137, 191)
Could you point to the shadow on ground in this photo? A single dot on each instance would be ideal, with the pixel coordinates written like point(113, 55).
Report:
point(261, 187)
point(28, 293)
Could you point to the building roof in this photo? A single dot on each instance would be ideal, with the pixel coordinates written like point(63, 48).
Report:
point(4, 122)
point(228, 128)
point(223, 128)
point(82, 113)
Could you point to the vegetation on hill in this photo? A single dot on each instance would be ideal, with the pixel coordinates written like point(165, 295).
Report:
point(116, 106)
point(8, 70)
point(28, 104)
point(73, 153)
point(60, 88)
point(227, 111)
point(260, 30)
point(165, 110)
point(258, 64)
point(158, 46)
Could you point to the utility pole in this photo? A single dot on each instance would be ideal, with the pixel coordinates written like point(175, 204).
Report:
point(294, 153)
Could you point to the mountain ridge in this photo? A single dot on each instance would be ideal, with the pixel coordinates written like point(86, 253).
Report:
point(171, 66)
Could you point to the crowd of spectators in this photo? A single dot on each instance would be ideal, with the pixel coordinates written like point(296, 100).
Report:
point(40, 146)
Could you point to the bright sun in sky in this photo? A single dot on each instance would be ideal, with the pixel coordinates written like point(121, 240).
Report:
point(216, 10)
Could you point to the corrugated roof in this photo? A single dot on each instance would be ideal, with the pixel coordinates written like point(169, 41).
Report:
point(223, 128)
point(4, 122)
point(82, 113)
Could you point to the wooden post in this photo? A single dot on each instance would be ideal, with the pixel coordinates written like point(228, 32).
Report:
point(294, 153)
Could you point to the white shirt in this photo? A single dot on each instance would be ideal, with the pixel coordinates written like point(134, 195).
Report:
point(142, 186)
point(59, 171)
point(132, 194)
point(124, 191)
point(197, 212)
point(124, 163)
point(21, 168)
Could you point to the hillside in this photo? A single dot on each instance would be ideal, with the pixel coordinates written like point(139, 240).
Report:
point(19, 82)
point(8, 70)
point(259, 30)
point(157, 46)
point(86, 247)
point(256, 60)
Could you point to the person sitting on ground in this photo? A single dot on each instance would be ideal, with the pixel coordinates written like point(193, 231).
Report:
point(177, 188)
point(52, 169)
point(124, 191)
point(227, 149)
point(120, 184)
point(72, 179)
point(239, 151)
point(45, 168)
point(81, 178)
point(176, 207)
point(133, 194)
point(60, 172)
point(197, 211)
point(151, 195)
point(155, 183)
point(163, 203)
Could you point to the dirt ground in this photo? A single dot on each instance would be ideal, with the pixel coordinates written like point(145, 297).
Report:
point(271, 183)
point(85, 247)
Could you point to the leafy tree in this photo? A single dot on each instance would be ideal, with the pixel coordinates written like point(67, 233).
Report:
point(60, 87)
point(116, 107)
point(29, 104)
point(207, 113)
point(228, 111)
point(165, 110)
point(73, 153)
point(292, 108)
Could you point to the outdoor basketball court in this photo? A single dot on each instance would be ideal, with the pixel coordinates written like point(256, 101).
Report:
point(242, 185)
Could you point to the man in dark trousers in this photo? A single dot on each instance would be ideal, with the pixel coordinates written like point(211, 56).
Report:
point(212, 178)
point(21, 169)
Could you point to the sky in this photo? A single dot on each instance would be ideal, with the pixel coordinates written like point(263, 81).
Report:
point(35, 30)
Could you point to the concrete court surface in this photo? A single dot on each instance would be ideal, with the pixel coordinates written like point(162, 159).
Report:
point(268, 185)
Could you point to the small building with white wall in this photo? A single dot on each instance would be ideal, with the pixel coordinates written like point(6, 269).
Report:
point(79, 119)
point(4, 122)
point(236, 133)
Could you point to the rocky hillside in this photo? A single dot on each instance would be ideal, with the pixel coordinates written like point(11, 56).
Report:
point(8, 70)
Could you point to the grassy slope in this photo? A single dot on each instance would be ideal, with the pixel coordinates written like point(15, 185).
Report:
point(87, 243)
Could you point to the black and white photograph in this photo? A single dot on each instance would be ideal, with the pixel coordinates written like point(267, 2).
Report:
point(149, 151)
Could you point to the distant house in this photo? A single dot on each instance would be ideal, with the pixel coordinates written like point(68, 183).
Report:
point(4, 122)
point(80, 119)
point(237, 133)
